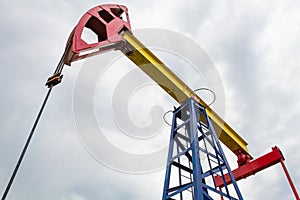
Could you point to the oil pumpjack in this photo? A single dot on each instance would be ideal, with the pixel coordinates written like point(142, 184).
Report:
point(193, 127)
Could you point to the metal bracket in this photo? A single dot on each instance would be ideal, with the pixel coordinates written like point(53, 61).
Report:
point(54, 80)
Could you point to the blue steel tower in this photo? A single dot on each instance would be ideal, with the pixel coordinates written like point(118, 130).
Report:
point(195, 157)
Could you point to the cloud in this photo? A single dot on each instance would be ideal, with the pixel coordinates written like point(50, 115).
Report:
point(253, 44)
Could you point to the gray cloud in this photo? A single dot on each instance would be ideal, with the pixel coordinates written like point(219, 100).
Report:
point(254, 45)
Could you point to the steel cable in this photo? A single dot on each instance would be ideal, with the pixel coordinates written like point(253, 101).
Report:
point(26, 146)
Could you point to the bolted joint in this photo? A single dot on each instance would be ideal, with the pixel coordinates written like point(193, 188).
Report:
point(242, 157)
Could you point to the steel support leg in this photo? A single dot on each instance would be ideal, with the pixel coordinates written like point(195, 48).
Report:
point(195, 157)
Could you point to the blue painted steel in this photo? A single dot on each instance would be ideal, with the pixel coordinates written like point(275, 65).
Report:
point(195, 157)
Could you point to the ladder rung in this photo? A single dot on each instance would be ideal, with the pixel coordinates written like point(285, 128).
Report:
point(181, 153)
point(181, 125)
point(190, 190)
point(186, 177)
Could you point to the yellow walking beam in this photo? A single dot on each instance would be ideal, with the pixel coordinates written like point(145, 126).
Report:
point(166, 79)
point(113, 31)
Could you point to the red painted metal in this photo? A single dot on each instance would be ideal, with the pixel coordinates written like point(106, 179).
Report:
point(289, 180)
point(252, 167)
point(249, 168)
point(106, 22)
point(242, 157)
point(221, 196)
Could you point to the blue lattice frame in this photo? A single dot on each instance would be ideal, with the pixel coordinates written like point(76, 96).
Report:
point(195, 157)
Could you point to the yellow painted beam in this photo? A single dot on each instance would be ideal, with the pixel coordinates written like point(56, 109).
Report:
point(175, 87)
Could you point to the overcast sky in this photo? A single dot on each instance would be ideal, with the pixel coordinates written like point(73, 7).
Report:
point(253, 44)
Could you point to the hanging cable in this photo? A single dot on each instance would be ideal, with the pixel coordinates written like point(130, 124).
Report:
point(191, 94)
point(51, 82)
point(57, 76)
point(26, 146)
point(207, 89)
point(164, 117)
